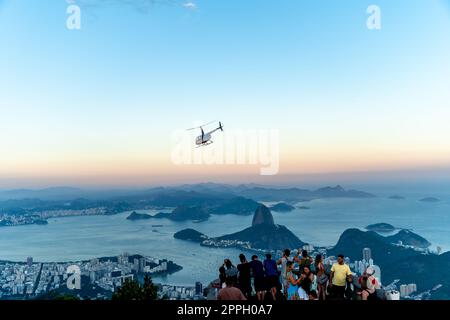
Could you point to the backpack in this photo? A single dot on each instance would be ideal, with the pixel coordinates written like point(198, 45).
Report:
point(349, 292)
point(372, 296)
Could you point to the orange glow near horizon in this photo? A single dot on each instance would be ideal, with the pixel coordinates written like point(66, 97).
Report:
point(116, 168)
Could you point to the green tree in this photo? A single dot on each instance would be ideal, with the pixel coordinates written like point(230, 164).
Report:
point(132, 290)
point(149, 290)
point(66, 297)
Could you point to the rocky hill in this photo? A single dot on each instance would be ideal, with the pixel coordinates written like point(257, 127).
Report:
point(263, 234)
point(184, 213)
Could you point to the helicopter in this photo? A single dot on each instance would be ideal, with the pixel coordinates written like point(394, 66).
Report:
point(205, 138)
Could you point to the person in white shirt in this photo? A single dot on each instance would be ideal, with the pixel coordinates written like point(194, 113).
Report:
point(369, 284)
point(283, 262)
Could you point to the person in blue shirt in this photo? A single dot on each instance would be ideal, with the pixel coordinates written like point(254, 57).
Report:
point(257, 270)
point(272, 276)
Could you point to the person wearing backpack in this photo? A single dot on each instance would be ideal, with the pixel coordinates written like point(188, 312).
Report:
point(369, 285)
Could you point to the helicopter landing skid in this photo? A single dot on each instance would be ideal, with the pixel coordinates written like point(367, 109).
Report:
point(205, 144)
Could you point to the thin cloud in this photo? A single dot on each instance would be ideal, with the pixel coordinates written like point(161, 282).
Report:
point(139, 5)
point(190, 5)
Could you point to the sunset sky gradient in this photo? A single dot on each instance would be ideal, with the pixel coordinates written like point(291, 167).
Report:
point(98, 106)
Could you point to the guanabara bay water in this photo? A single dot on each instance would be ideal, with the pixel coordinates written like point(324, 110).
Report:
point(319, 222)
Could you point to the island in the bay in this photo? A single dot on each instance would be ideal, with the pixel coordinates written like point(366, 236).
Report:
point(190, 235)
point(396, 197)
point(381, 227)
point(182, 213)
point(430, 199)
point(282, 207)
point(138, 216)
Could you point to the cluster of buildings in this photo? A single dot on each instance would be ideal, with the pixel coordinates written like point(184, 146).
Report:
point(181, 293)
point(227, 244)
point(18, 279)
point(7, 220)
point(73, 212)
point(406, 290)
point(102, 276)
point(360, 266)
point(98, 278)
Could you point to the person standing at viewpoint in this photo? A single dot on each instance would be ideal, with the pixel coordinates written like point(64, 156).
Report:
point(340, 272)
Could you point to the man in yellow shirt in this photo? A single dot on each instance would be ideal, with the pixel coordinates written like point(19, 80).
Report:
point(340, 272)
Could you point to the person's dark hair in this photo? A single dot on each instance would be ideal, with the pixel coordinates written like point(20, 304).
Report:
point(229, 281)
point(242, 258)
point(289, 263)
point(318, 258)
point(254, 257)
point(306, 267)
point(228, 263)
point(304, 253)
point(287, 252)
point(268, 256)
point(313, 294)
point(341, 256)
point(364, 282)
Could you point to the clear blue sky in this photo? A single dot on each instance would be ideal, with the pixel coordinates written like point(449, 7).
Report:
point(115, 90)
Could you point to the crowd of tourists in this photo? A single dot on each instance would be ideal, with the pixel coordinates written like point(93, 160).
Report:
point(294, 277)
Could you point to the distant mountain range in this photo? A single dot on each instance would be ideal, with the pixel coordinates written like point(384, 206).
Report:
point(202, 208)
point(55, 193)
point(214, 198)
point(296, 194)
point(252, 191)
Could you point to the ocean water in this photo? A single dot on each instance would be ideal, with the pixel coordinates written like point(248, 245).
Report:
point(80, 238)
